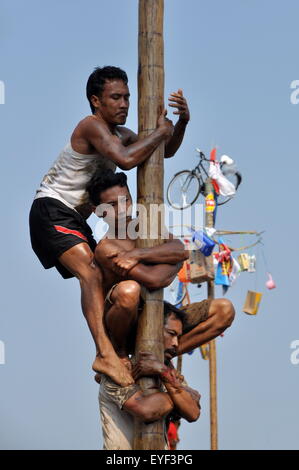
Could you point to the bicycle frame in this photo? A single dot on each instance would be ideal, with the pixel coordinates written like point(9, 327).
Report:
point(200, 169)
point(197, 171)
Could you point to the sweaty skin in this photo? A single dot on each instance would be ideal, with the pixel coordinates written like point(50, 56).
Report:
point(97, 134)
point(120, 260)
point(179, 397)
point(185, 400)
point(154, 268)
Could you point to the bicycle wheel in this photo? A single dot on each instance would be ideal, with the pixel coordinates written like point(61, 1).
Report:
point(183, 189)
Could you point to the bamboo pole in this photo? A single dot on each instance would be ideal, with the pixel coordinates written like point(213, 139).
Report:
point(186, 301)
point(179, 364)
point(209, 222)
point(150, 191)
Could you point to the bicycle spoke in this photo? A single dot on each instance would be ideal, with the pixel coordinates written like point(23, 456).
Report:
point(184, 199)
point(183, 190)
point(183, 183)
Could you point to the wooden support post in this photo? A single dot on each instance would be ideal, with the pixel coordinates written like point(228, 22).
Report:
point(209, 222)
point(150, 191)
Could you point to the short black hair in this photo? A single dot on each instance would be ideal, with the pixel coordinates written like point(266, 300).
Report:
point(170, 309)
point(101, 180)
point(96, 81)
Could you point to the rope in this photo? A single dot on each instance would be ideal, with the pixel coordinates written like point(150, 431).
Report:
point(226, 232)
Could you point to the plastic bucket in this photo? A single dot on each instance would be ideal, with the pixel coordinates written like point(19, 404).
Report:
point(252, 302)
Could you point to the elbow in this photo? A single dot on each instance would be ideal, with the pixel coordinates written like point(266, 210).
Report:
point(147, 415)
point(124, 161)
point(150, 415)
point(180, 251)
point(125, 166)
point(184, 253)
point(150, 284)
point(183, 256)
point(193, 416)
point(141, 412)
point(149, 418)
point(127, 163)
point(155, 284)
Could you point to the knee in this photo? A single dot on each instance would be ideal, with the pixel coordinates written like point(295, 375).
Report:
point(89, 271)
point(128, 294)
point(225, 312)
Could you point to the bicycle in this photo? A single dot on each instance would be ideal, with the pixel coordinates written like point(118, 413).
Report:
point(186, 185)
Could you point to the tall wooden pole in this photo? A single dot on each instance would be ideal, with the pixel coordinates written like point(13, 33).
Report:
point(150, 191)
point(209, 222)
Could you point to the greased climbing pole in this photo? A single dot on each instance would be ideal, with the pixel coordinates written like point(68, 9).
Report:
point(150, 191)
point(209, 222)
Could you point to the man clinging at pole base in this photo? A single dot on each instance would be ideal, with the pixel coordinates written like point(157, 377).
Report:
point(127, 268)
point(120, 405)
point(59, 233)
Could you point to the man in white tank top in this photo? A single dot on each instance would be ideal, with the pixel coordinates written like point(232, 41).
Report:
point(59, 233)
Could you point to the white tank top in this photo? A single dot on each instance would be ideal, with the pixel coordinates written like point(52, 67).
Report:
point(67, 178)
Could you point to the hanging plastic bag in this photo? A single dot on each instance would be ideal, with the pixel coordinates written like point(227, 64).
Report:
point(270, 284)
point(222, 274)
point(236, 269)
point(225, 187)
point(225, 264)
point(184, 273)
point(252, 264)
point(244, 260)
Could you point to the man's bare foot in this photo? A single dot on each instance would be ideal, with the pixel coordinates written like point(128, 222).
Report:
point(124, 360)
point(115, 368)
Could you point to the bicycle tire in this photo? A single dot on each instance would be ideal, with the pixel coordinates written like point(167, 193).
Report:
point(171, 187)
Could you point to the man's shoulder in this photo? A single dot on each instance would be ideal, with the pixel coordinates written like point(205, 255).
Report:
point(92, 120)
point(91, 125)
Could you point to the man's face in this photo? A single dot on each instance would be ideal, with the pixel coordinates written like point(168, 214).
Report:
point(118, 205)
point(113, 104)
point(173, 329)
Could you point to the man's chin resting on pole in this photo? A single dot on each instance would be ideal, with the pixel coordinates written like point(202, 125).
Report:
point(127, 268)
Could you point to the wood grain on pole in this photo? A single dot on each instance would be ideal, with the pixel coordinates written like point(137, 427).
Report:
point(150, 191)
point(209, 222)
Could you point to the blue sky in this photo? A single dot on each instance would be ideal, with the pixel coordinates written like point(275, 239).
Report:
point(235, 62)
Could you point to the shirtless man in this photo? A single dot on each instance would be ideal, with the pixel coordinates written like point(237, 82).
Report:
point(119, 406)
point(59, 233)
point(127, 268)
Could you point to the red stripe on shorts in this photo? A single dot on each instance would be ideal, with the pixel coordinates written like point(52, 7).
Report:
point(59, 228)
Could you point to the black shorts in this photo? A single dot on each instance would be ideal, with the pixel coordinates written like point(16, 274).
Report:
point(55, 228)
